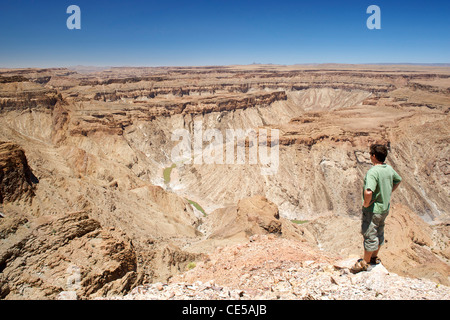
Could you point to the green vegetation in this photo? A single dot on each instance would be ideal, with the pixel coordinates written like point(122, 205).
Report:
point(191, 265)
point(166, 173)
point(197, 206)
point(300, 221)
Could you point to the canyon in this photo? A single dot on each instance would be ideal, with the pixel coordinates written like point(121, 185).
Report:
point(88, 183)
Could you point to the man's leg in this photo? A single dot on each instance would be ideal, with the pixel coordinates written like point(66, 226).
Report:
point(379, 220)
point(370, 234)
point(375, 253)
point(368, 255)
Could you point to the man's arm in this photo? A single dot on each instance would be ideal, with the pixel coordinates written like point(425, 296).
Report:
point(367, 198)
point(395, 186)
point(396, 181)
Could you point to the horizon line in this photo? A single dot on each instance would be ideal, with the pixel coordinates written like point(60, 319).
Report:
point(436, 64)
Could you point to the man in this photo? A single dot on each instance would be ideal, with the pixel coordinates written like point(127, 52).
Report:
point(379, 183)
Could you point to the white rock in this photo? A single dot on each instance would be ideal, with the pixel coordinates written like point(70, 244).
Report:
point(308, 263)
point(346, 263)
point(159, 286)
point(67, 295)
point(378, 269)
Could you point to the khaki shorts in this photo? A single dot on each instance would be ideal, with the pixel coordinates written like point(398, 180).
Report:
point(372, 228)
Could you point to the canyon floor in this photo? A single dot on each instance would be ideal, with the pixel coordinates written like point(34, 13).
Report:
point(94, 205)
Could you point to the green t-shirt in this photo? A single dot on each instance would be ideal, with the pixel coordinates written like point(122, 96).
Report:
point(380, 179)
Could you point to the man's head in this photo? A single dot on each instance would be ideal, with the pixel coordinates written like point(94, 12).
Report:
point(378, 151)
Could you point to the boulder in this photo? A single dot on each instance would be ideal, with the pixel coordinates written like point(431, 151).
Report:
point(255, 215)
point(64, 257)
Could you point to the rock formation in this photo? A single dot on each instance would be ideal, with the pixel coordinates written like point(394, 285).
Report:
point(16, 179)
point(251, 216)
point(38, 259)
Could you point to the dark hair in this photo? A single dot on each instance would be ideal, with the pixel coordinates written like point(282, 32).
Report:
point(380, 151)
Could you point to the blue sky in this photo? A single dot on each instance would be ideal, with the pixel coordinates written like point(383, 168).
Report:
point(221, 32)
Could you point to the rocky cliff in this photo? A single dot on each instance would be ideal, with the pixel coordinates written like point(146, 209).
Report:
point(17, 181)
point(270, 268)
